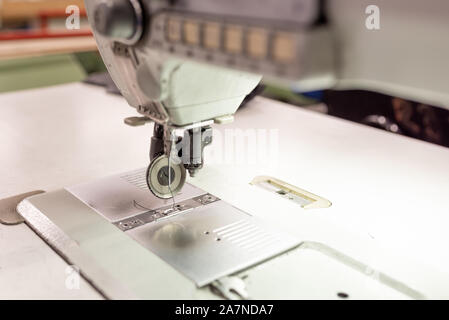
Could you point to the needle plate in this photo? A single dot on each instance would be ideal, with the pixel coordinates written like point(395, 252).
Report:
point(200, 235)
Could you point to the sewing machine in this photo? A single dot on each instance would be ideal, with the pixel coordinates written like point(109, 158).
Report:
point(152, 50)
point(186, 67)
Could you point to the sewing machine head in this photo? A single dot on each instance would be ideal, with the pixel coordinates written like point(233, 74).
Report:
point(187, 64)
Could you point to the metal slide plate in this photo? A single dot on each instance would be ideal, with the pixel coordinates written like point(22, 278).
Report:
point(212, 241)
point(202, 236)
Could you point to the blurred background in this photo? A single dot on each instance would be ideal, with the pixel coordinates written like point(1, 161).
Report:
point(37, 50)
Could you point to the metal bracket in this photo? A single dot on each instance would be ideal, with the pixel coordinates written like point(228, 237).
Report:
point(305, 199)
point(165, 212)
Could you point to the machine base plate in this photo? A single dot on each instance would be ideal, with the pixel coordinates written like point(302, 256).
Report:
point(201, 236)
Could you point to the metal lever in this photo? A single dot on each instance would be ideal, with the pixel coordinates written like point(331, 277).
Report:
point(137, 121)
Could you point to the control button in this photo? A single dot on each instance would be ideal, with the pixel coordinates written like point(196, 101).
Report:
point(119, 19)
point(284, 47)
point(212, 35)
point(257, 43)
point(234, 39)
point(192, 32)
point(174, 30)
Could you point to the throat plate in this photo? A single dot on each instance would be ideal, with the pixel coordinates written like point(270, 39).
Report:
point(200, 235)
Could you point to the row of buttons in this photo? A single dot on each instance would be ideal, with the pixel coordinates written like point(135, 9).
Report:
point(255, 42)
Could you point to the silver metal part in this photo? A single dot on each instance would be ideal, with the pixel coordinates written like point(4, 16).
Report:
point(126, 195)
point(164, 212)
point(73, 253)
point(193, 146)
point(165, 178)
point(81, 229)
point(305, 199)
point(120, 268)
point(211, 241)
point(202, 236)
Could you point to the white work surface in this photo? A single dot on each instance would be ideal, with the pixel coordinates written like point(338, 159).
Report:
point(388, 190)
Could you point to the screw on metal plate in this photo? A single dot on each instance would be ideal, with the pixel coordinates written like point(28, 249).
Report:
point(130, 224)
point(206, 199)
point(163, 212)
point(231, 287)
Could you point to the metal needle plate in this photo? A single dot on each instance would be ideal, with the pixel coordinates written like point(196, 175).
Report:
point(200, 235)
point(211, 241)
